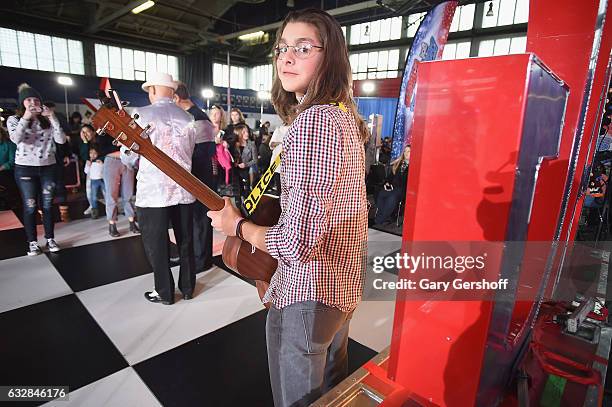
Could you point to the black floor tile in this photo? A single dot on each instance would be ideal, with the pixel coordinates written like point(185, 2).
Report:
point(13, 243)
point(228, 367)
point(55, 342)
point(93, 265)
point(358, 355)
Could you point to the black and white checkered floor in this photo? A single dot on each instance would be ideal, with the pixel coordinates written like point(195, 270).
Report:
point(79, 318)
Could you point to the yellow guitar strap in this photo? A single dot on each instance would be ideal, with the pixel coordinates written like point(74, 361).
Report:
point(253, 199)
point(260, 188)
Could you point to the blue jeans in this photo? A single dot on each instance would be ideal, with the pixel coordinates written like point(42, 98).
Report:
point(307, 351)
point(97, 187)
point(35, 183)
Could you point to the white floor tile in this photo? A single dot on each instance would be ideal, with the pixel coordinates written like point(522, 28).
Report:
point(141, 329)
point(378, 235)
point(372, 324)
point(123, 388)
point(81, 232)
point(28, 280)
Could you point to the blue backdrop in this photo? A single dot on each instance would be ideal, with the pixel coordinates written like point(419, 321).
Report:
point(384, 106)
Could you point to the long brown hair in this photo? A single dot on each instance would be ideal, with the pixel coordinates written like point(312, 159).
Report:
point(223, 121)
point(332, 81)
point(235, 109)
point(395, 164)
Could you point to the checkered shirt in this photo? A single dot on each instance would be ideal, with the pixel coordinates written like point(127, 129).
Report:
point(321, 236)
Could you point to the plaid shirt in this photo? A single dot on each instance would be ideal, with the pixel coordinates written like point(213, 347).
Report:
point(320, 239)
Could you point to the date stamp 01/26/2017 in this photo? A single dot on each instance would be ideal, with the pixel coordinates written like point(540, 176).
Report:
point(33, 393)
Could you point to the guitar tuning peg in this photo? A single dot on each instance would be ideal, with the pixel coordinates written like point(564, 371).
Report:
point(145, 131)
point(135, 116)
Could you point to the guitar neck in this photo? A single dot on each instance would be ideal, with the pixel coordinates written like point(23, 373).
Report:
point(182, 177)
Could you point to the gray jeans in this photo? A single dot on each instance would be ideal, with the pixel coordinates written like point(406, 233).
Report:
point(117, 175)
point(307, 354)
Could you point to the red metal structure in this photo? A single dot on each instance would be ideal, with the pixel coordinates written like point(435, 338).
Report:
point(498, 152)
point(488, 122)
point(465, 351)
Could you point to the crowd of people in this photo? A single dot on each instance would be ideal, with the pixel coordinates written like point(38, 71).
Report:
point(39, 136)
point(322, 173)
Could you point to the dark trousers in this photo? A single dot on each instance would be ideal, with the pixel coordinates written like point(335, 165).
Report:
point(35, 183)
point(202, 227)
point(386, 203)
point(153, 224)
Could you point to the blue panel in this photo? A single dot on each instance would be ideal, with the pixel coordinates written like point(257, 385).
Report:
point(384, 106)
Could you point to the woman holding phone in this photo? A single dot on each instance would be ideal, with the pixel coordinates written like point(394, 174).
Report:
point(35, 130)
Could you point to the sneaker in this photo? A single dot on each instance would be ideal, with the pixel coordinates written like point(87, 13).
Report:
point(52, 246)
point(87, 211)
point(34, 249)
point(94, 213)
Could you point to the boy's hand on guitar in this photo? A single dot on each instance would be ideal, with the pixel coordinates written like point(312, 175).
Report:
point(226, 219)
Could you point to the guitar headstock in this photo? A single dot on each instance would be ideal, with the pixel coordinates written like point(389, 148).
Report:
point(119, 125)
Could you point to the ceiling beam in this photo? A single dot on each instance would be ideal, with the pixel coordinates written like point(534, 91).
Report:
point(352, 8)
point(169, 23)
point(114, 16)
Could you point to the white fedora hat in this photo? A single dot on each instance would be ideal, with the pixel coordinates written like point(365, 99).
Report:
point(159, 79)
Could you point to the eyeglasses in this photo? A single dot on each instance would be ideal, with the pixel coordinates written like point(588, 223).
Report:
point(302, 50)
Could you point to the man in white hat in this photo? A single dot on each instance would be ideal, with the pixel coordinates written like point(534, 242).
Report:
point(158, 198)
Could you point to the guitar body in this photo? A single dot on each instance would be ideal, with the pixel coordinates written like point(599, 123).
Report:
point(238, 255)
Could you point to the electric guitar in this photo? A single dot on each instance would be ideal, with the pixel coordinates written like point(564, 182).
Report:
point(238, 255)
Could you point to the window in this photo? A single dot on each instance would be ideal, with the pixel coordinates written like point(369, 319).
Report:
point(376, 31)
point(502, 46)
point(220, 76)
point(456, 50)
point(130, 64)
point(375, 64)
point(505, 12)
point(260, 77)
point(414, 21)
point(21, 49)
point(463, 18)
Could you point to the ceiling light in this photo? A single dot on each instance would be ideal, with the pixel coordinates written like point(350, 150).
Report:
point(490, 12)
point(251, 36)
point(143, 7)
point(368, 87)
point(64, 80)
point(290, 3)
point(207, 93)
